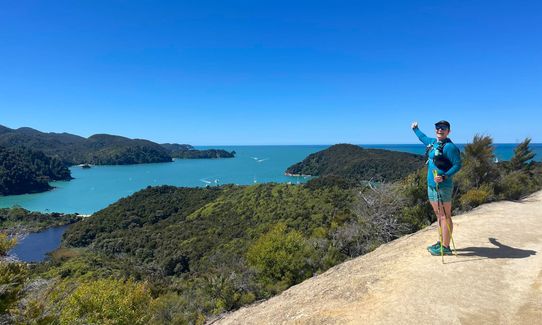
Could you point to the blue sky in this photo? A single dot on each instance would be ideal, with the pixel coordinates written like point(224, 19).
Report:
point(272, 72)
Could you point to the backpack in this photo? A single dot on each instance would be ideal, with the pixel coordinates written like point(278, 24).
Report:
point(439, 159)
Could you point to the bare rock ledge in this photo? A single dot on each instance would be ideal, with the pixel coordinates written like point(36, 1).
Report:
point(495, 279)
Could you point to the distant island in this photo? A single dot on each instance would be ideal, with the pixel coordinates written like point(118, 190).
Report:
point(101, 149)
point(354, 163)
point(186, 151)
point(28, 171)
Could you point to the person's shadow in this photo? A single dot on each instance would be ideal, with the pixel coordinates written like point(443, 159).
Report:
point(501, 251)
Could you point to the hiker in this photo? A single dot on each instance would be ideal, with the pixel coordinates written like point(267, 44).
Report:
point(443, 161)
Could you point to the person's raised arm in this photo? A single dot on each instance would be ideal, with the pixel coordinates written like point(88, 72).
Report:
point(423, 138)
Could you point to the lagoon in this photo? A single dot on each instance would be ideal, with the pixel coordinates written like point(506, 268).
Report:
point(35, 246)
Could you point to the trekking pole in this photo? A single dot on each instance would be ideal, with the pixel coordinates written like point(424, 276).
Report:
point(438, 221)
point(440, 235)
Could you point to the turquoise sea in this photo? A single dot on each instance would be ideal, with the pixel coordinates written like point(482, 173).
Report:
point(97, 187)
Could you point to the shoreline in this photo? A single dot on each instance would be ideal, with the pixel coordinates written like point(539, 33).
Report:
point(297, 175)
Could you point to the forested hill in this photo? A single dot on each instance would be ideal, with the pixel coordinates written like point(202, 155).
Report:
point(355, 163)
point(186, 151)
point(190, 236)
point(99, 149)
point(28, 171)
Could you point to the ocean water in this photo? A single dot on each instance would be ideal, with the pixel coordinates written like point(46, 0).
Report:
point(95, 188)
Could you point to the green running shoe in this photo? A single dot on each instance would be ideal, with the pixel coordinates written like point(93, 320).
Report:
point(437, 244)
point(435, 251)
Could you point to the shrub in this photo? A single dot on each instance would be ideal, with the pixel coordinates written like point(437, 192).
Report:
point(475, 197)
point(12, 278)
point(417, 211)
point(515, 185)
point(281, 257)
point(107, 301)
point(6, 244)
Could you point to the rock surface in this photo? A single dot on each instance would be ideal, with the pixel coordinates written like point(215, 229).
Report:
point(496, 278)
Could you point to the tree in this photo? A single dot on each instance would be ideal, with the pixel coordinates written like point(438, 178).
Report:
point(522, 156)
point(478, 164)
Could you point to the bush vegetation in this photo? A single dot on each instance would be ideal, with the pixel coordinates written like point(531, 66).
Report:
point(356, 164)
point(17, 220)
point(100, 149)
point(28, 171)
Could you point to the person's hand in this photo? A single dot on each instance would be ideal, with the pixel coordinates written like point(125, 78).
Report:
point(439, 179)
point(414, 125)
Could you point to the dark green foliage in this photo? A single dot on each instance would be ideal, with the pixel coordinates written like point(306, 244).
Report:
point(12, 278)
point(478, 164)
point(202, 154)
point(100, 149)
point(330, 181)
point(417, 212)
point(187, 228)
point(281, 258)
point(358, 164)
point(164, 204)
point(482, 180)
point(170, 147)
point(17, 219)
point(186, 151)
point(28, 171)
point(516, 185)
point(521, 161)
point(201, 236)
point(105, 149)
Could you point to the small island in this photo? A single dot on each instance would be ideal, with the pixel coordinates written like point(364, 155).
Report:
point(354, 163)
point(186, 151)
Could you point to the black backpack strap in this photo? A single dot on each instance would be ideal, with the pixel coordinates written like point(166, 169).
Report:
point(441, 161)
point(442, 144)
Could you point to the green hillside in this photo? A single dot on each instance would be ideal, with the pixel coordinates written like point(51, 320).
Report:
point(28, 171)
point(356, 164)
point(102, 149)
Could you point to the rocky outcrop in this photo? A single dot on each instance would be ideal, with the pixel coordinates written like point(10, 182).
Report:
point(496, 278)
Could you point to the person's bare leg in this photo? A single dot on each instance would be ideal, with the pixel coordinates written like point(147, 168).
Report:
point(447, 219)
point(443, 217)
point(439, 218)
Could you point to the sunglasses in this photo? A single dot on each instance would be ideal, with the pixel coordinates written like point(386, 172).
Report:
point(442, 127)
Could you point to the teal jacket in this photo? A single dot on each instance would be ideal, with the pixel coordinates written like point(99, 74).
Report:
point(450, 151)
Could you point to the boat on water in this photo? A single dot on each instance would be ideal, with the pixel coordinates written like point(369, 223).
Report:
point(84, 166)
